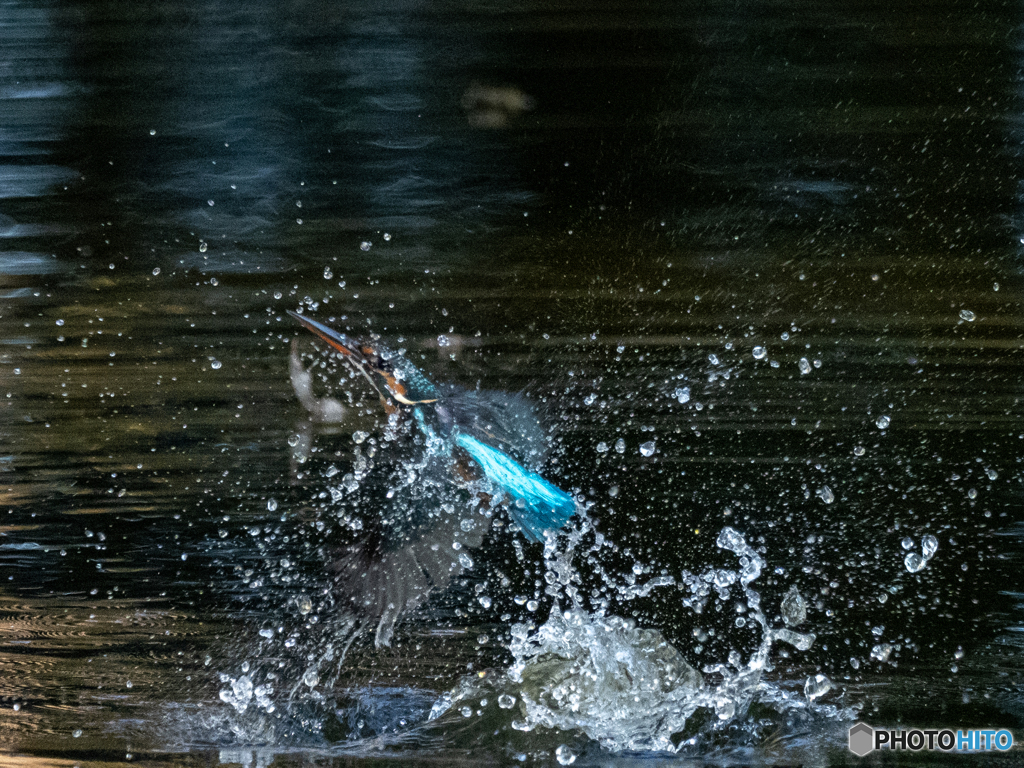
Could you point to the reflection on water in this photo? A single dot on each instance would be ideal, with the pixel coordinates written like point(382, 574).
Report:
point(756, 268)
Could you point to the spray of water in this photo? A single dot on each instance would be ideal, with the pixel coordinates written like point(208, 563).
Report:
point(629, 688)
point(584, 670)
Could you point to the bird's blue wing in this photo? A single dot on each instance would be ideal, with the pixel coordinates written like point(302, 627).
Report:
point(543, 506)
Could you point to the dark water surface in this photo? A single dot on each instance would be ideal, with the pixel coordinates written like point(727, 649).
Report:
point(758, 266)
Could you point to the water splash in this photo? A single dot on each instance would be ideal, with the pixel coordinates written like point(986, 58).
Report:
point(597, 674)
point(406, 533)
point(629, 688)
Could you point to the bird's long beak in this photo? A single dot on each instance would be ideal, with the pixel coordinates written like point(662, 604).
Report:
point(366, 359)
point(338, 341)
point(357, 354)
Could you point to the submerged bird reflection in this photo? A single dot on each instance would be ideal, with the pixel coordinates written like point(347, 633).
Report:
point(455, 457)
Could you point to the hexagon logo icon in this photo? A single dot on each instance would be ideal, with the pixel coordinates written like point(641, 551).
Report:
point(862, 739)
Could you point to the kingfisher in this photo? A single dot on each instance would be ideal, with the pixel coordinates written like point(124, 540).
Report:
point(489, 437)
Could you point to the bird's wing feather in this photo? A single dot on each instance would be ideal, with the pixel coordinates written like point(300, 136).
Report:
point(503, 420)
point(544, 506)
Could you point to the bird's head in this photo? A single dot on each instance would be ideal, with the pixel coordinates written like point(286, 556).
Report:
point(396, 380)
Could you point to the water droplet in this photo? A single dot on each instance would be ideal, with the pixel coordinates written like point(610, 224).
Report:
point(365, 245)
point(311, 678)
point(646, 449)
point(216, 364)
point(601, 447)
point(682, 394)
point(882, 422)
point(272, 505)
point(127, 683)
point(929, 545)
point(156, 271)
point(972, 493)
point(620, 446)
point(60, 322)
point(914, 562)
point(77, 733)
point(466, 712)
point(203, 247)
point(794, 608)
point(881, 651)
point(240, 693)
point(214, 282)
point(907, 543)
point(858, 450)
point(966, 314)
point(359, 436)
point(465, 561)
point(760, 353)
point(506, 701)
point(328, 274)
point(817, 686)
point(992, 474)
point(826, 494)
point(532, 605)
point(564, 755)
point(805, 365)
point(267, 633)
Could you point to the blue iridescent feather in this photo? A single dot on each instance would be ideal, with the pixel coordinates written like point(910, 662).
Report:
point(538, 505)
point(450, 416)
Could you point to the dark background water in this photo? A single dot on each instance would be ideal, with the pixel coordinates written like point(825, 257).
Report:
point(598, 204)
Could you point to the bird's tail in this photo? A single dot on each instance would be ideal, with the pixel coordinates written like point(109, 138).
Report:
point(538, 505)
